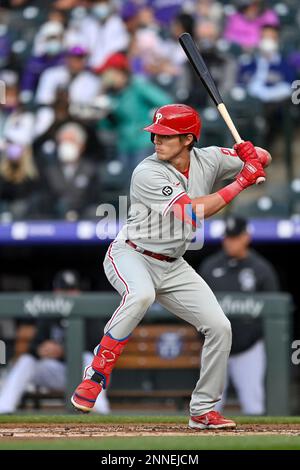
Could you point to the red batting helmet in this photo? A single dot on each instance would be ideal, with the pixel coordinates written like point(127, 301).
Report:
point(175, 119)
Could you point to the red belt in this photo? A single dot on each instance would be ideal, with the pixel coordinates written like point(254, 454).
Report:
point(150, 253)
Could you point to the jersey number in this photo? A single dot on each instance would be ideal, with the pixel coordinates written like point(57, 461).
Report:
point(230, 152)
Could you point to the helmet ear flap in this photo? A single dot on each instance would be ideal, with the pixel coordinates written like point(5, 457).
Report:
point(152, 137)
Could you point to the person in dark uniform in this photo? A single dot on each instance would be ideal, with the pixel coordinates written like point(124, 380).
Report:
point(239, 268)
point(44, 366)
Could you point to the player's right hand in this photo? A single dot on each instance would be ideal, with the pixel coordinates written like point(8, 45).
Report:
point(252, 170)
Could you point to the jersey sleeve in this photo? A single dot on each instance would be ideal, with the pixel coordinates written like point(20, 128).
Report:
point(228, 163)
point(156, 191)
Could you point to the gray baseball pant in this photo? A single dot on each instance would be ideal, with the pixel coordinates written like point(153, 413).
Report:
point(141, 280)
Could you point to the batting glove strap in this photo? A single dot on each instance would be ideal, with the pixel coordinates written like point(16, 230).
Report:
point(250, 173)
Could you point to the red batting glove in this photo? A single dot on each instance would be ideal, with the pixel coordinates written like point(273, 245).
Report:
point(247, 177)
point(252, 170)
point(246, 151)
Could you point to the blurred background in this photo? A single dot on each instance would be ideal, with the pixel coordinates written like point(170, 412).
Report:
point(78, 82)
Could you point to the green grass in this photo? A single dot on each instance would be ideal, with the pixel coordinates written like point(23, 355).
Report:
point(198, 442)
point(114, 419)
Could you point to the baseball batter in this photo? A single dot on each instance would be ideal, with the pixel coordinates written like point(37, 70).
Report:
point(170, 193)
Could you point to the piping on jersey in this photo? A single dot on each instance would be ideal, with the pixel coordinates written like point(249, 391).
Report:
point(121, 279)
point(183, 210)
point(173, 200)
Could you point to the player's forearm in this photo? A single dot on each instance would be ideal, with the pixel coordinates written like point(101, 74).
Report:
point(206, 206)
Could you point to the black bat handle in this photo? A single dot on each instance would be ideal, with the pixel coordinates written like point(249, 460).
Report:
point(187, 43)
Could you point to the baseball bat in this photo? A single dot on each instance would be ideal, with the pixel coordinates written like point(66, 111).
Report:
point(188, 45)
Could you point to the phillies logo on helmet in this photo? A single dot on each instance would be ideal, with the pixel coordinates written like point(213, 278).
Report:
point(175, 119)
point(158, 117)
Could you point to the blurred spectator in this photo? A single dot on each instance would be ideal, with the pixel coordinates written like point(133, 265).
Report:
point(49, 40)
point(72, 179)
point(156, 54)
point(57, 16)
point(268, 76)
point(82, 84)
point(209, 10)
point(11, 100)
point(5, 40)
point(236, 268)
point(49, 118)
point(44, 365)
point(47, 52)
point(221, 65)
point(19, 179)
point(165, 11)
point(182, 23)
point(23, 20)
point(133, 99)
point(15, 3)
point(67, 4)
point(148, 54)
point(130, 14)
point(244, 27)
point(294, 60)
point(103, 30)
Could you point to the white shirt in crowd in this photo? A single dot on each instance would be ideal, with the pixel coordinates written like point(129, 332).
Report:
point(102, 40)
point(82, 89)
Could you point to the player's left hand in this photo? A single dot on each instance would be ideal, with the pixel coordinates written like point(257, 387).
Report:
point(246, 151)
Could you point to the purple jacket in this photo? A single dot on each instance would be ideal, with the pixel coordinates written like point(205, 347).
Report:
point(240, 30)
point(35, 67)
point(165, 10)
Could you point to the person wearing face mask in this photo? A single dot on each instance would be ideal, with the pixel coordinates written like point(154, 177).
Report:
point(132, 101)
point(72, 180)
point(268, 76)
point(104, 32)
point(19, 179)
point(243, 28)
point(48, 51)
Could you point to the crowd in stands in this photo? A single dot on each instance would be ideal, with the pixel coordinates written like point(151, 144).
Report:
point(83, 77)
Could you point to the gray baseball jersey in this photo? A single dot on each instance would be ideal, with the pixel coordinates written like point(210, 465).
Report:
point(157, 185)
